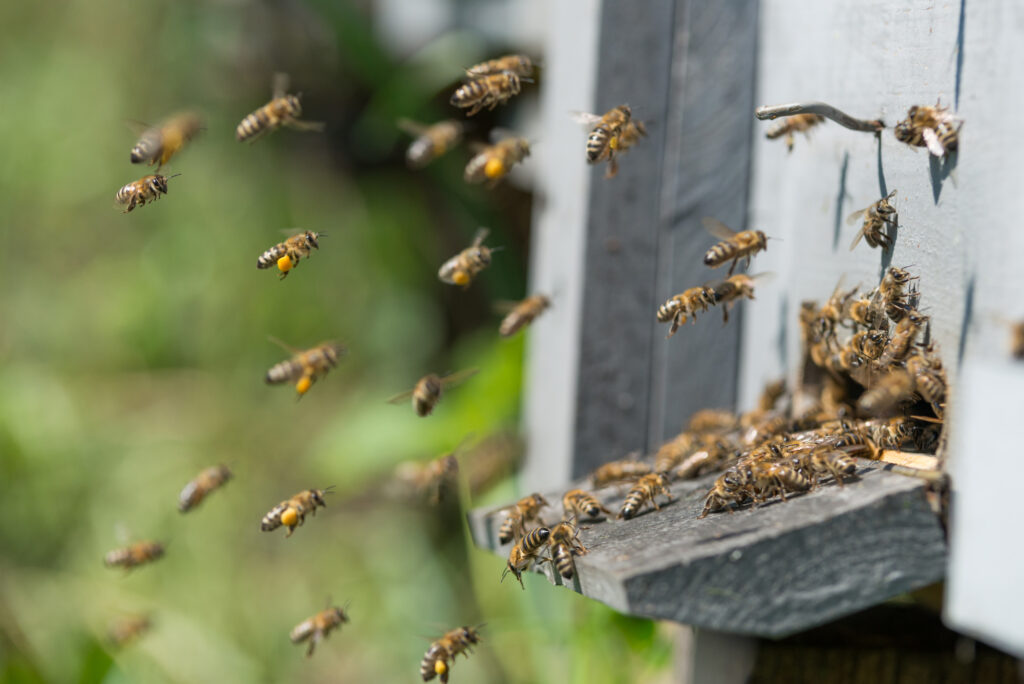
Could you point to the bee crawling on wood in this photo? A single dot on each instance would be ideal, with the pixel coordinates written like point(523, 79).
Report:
point(931, 127)
point(316, 628)
point(733, 246)
point(467, 264)
point(427, 391)
point(438, 660)
point(292, 512)
point(582, 505)
point(877, 218)
point(564, 545)
point(525, 510)
point(133, 556)
point(625, 470)
point(430, 142)
point(525, 552)
point(798, 123)
point(146, 189)
point(727, 491)
point(646, 489)
point(282, 110)
point(286, 255)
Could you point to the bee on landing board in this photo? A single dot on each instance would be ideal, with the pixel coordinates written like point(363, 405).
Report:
point(522, 314)
point(606, 133)
point(208, 480)
point(305, 367)
point(427, 391)
point(125, 630)
point(135, 555)
point(877, 218)
point(146, 189)
point(798, 123)
point(282, 110)
point(733, 246)
point(292, 512)
point(491, 163)
point(625, 470)
point(158, 144)
point(286, 255)
point(467, 264)
point(646, 489)
point(525, 510)
point(931, 127)
point(524, 552)
point(582, 505)
point(685, 305)
point(317, 627)
point(521, 65)
point(488, 91)
point(430, 142)
point(439, 658)
point(564, 545)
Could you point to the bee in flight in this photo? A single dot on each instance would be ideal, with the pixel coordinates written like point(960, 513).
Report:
point(282, 110)
point(126, 629)
point(735, 287)
point(317, 627)
point(487, 91)
point(438, 660)
point(685, 305)
point(427, 391)
point(630, 136)
point(146, 189)
point(877, 217)
point(464, 266)
point(931, 127)
point(286, 255)
point(605, 135)
point(526, 510)
point(429, 480)
point(158, 144)
point(135, 555)
point(521, 65)
point(522, 314)
point(493, 162)
point(430, 141)
point(798, 123)
point(208, 480)
point(305, 367)
point(733, 246)
point(292, 512)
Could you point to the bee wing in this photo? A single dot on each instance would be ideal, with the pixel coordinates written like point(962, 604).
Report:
point(291, 231)
point(283, 345)
point(717, 228)
point(931, 140)
point(400, 397)
point(411, 127)
point(504, 306)
point(765, 277)
point(499, 134)
point(852, 218)
point(460, 376)
point(584, 118)
point(856, 239)
point(480, 236)
point(299, 125)
point(280, 84)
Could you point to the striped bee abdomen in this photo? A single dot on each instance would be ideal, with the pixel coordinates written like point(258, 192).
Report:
point(253, 124)
point(269, 258)
point(286, 371)
point(719, 254)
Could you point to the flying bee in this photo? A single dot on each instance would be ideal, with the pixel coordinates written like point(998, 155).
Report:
point(467, 264)
point(625, 470)
point(522, 314)
point(630, 136)
point(891, 389)
point(582, 505)
point(159, 143)
point(146, 189)
point(306, 366)
point(647, 488)
point(798, 123)
point(564, 545)
point(735, 287)
point(430, 479)
point(877, 218)
point(135, 555)
point(127, 629)
point(734, 246)
point(286, 255)
point(292, 512)
point(438, 659)
point(427, 391)
point(525, 510)
point(606, 132)
point(282, 110)
point(317, 627)
point(430, 141)
point(493, 162)
point(525, 552)
point(903, 337)
point(931, 127)
point(685, 305)
point(521, 65)
point(208, 480)
point(488, 91)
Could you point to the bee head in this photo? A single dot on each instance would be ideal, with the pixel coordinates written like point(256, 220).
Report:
point(294, 105)
point(311, 239)
point(340, 615)
point(470, 635)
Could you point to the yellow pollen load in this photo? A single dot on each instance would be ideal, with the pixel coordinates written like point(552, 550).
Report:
point(284, 264)
point(460, 278)
point(290, 517)
point(614, 142)
point(440, 667)
point(303, 385)
point(495, 168)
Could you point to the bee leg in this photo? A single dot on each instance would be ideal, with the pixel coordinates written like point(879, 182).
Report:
point(613, 168)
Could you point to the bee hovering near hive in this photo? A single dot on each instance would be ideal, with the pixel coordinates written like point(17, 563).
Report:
point(207, 481)
point(305, 367)
point(292, 512)
point(493, 162)
point(467, 264)
point(438, 660)
point(158, 144)
point(606, 135)
point(521, 65)
point(428, 481)
point(282, 110)
point(685, 305)
point(125, 630)
point(522, 314)
point(931, 127)
point(877, 218)
point(430, 142)
point(135, 555)
point(488, 91)
point(735, 287)
point(798, 123)
point(427, 391)
point(146, 189)
point(733, 246)
point(316, 628)
point(286, 255)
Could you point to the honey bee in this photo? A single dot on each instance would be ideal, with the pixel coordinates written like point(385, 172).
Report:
point(685, 305)
point(521, 65)
point(427, 391)
point(305, 367)
point(432, 478)
point(286, 255)
point(869, 344)
point(522, 314)
point(877, 217)
point(159, 143)
point(525, 510)
point(487, 91)
point(207, 481)
point(673, 451)
point(127, 629)
point(798, 123)
point(931, 127)
point(292, 512)
point(894, 387)
point(146, 189)
point(769, 479)
point(713, 420)
point(734, 288)
point(135, 555)
point(282, 110)
point(582, 505)
point(892, 293)
point(728, 490)
point(564, 545)
point(467, 264)
point(605, 136)
point(630, 136)
point(440, 657)
point(734, 246)
point(625, 470)
point(525, 552)
point(929, 380)
point(431, 141)
point(903, 337)
point(493, 162)
point(708, 457)
point(647, 488)
point(891, 433)
point(863, 312)
point(317, 627)
point(1017, 340)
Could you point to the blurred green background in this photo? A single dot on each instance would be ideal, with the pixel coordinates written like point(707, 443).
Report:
point(134, 348)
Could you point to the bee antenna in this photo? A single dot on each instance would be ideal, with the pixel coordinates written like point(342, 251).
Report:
point(497, 249)
point(327, 490)
point(174, 176)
